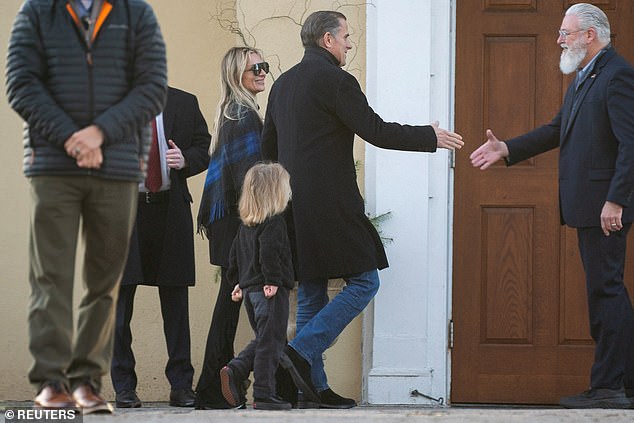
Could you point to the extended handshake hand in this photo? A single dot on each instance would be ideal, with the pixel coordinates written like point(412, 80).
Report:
point(489, 152)
point(447, 139)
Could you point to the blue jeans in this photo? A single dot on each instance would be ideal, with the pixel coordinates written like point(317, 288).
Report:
point(319, 322)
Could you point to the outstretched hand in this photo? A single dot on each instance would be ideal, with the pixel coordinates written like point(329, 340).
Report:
point(447, 139)
point(489, 152)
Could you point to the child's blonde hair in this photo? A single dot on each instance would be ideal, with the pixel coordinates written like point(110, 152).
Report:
point(265, 192)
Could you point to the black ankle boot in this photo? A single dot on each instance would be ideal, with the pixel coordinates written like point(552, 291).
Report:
point(271, 403)
point(299, 369)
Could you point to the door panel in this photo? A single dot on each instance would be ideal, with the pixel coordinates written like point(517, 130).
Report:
point(519, 306)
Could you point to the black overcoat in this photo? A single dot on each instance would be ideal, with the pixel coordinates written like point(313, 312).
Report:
point(183, 123)
point(313, 113)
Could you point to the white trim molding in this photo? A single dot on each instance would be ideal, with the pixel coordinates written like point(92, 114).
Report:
point(410, 56)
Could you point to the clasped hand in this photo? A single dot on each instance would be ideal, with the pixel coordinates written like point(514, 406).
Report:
point(85, 147)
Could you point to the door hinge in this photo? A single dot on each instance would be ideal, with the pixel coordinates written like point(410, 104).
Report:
point(451, 334)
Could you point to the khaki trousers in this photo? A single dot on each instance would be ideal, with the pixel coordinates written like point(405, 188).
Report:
point(106, 209)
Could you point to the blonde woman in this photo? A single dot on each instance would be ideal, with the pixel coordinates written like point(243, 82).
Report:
point(261, 268)
point(235, 147)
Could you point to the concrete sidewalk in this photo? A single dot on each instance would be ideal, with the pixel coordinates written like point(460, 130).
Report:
point(160, 412)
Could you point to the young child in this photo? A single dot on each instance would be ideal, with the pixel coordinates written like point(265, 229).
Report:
point(261, 267)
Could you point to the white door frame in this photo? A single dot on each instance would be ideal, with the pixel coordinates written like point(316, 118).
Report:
point(410, 79)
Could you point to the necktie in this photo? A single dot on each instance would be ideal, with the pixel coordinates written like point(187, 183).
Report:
point(154, 180)
point(580, 79)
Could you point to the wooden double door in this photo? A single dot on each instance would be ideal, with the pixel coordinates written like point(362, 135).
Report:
point(519, 305)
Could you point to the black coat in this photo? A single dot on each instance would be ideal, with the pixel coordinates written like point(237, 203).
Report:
point(184, 123)
point(261, 255)
point(596, 143)
point(232, 133)
point(313, 113)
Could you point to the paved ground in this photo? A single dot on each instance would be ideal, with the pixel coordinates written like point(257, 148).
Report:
point(161, 413)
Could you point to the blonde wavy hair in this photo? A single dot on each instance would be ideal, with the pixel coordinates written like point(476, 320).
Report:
point(266, 192)
point(232, 91)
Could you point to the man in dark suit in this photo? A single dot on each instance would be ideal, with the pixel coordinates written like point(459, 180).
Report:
point(314, 111)
point(594, 131)
point(162, 247)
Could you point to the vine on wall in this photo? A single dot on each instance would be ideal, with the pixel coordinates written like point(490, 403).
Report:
point(250, 20)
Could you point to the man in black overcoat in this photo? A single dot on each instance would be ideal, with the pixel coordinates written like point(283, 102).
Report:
point(594, 131)
point(314, 111)
point(162, 248)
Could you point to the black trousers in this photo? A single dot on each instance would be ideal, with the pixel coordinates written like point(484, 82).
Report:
point(175, 312)
point(269, 319)
point(219, 348)
point(609, 306)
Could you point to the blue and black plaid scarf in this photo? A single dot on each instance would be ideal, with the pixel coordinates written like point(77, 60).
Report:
point(238, 149)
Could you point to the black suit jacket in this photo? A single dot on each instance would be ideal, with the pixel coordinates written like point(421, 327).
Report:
point(183, 123)
point(596, 141)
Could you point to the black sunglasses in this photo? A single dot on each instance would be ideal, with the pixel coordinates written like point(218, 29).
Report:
point(264, 66)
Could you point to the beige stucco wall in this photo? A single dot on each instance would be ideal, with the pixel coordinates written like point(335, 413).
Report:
point(195, 45)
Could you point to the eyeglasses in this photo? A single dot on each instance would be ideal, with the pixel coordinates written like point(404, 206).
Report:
point(564, 34)
point(263, 66)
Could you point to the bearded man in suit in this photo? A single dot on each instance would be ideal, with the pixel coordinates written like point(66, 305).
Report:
point(594, 131)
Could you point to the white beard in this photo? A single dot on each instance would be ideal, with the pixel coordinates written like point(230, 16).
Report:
point(571, 57)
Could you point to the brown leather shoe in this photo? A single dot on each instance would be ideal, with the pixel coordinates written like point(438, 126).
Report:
point(54, 395)
point(89, 400)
